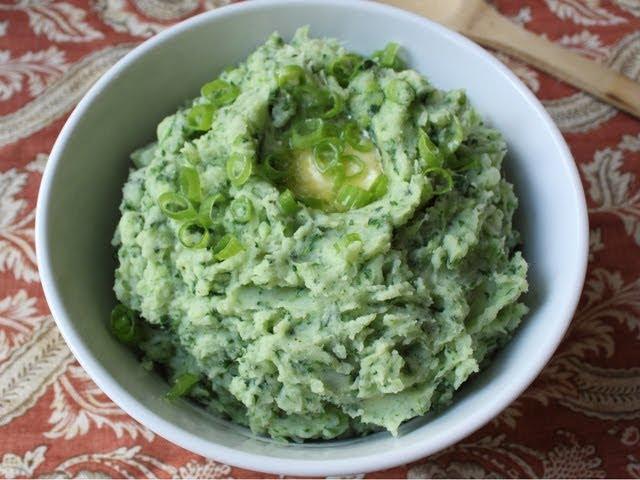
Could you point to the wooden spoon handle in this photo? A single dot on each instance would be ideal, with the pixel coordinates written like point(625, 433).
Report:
point(490, 28)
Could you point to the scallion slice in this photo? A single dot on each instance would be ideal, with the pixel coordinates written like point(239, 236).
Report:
point(338, 176)
point(379, 187)
point(190, 184)
point(176, 206)
point(227, 247)
point(210, 212)
point(182, 385)
point(332, 130)
point(441, 178)
point(345, 67)
point(312, 99)
point(461, 163)
point(193, 234)
point(326, 153)
point(337, 106)
point(429, 153)
point(200, 117)
point(347, 240)
point(242, 209)
point(350, 197)
point(275, 166)
point(288, 203)
point(190, 153)
point(307, 133)
point(220, 93)
point(352, 134)
point(124, 325)
point(389, 58)
point(291, 76)
point(239, 168)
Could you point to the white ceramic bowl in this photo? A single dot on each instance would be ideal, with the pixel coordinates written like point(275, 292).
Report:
point(81, 190)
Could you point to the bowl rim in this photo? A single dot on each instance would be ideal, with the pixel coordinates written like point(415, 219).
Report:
point(258, 462)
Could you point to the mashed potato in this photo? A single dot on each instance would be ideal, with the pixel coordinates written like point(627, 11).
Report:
point(319, 292)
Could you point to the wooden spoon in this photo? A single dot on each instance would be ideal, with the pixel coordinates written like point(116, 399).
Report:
point(482, 23)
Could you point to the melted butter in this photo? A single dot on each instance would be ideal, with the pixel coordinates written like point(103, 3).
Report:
point(307, 181)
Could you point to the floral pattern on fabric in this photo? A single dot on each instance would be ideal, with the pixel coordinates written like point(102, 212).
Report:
point(578, 419)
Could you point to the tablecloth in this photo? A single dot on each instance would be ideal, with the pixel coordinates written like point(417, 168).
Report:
point(580, 418)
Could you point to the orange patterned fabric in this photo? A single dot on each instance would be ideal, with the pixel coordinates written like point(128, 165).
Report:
point(581, 417)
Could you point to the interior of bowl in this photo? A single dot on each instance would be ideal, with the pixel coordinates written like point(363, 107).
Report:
point(81, 191)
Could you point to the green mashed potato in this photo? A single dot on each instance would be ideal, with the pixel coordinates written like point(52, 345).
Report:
point(320, 245)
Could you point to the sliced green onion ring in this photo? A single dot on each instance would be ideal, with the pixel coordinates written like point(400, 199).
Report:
point(429, 153)
point(211, 210)
point(307, 133)
point(291, 76)
point(182, 385)
point(379, 187)
point(242, 209)
point(227, 247)
point(326, 153)
point(358, 142)
point(389, 58)
point(190, 153)
point(347, 240)
point(352, 134)
point(350, 197)
point(337, 106)
point(123, 324)
point(444, 177)
point(200, 117)
point(353, 165)
point(288, 203)
point(275, 166)
point(193, 234)
point(190, 184)
point(313, 99)
point(176, 206)
point(462, 163)
point(220, 93)
point(338, 176)
point(345, 68)
point(332, 130)
point(239, 168)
